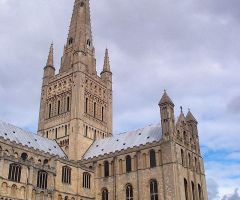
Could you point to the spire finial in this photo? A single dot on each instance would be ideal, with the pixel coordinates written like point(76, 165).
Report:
point(181, 108)
point(50, 56)
point(106, 66)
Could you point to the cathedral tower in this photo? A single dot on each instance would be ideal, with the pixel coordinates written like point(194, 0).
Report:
point(76, 104)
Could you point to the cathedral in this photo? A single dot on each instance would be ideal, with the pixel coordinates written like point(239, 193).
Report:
point(75, 155)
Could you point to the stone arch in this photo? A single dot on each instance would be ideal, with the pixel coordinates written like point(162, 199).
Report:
point(144, 160)
point(14, 191)
point(4, 188)
point(22, 192)
point(34, 195)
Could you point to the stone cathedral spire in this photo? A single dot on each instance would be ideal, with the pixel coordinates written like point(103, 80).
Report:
point(79, 47)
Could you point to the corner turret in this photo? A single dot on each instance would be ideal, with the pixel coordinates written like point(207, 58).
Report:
point(167, 116)
point(106, 74)
point(49, 69)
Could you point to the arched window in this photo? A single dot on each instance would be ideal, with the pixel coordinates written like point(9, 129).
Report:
point(154, 190)
point(14, 172)
point(200, 192)
point(66, 130)
point(152, 158)
point(86, 105)
point(49, 110)
point(58, 109)
point(94, 109)
point(86, 180)
point(86, 131)
point(186, 189)
point(128, 163)
point(182, 157)
point(68, 104)
point(193, 191)
point(14, 191)
point(42, 179)
point(66, 198)
point(56, 133)
point(66, 174)
point(106, 168)
point(102, 113)
point(88, 42)
point(104, 194)
point(70, 41)
point(129, 192)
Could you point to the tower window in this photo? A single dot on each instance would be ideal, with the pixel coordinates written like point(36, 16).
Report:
point(186, 189)
point(66, 174)
point(59, 104)
point(66, 130)
point(153, 190)
point(86, 106)
point(94, 109)
point(199, 192)
point(193, 191)
point(86, 180)
point(89, 42)
point(14, 172)
point(128, 163)
point(56, 133)
point(68, 104)
point(152, 158)
point(105, 194)
point(49, 110)
point(102, 113)
point(81, 4)
point(86, 131)
point(70, 41)
point(182, 156)
point(129, 192)
point(42, 179)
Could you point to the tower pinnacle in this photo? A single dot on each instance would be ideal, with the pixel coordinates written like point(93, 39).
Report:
point(50, 57)
point(106, 66)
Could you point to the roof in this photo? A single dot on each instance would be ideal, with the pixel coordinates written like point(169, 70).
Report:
point(30, 140)
point(149, 134)
point(190, 117)
point(165, 99)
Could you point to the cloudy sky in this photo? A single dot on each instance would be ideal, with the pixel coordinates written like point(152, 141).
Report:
point(189, 47)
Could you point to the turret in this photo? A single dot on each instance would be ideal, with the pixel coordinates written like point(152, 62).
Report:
point(49, 70)
point(193, 127)
point(106, 74)
point(167, 116)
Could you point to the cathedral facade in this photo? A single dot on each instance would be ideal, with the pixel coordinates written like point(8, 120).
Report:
point(75, 156)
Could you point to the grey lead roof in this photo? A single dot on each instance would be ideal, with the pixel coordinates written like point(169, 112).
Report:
point(18, 135)
point(124, 141)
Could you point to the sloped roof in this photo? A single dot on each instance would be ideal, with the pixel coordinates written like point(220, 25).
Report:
point(31, 140)
point(124, 141)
